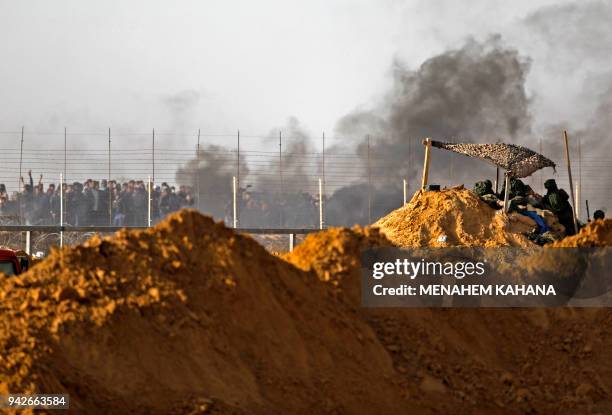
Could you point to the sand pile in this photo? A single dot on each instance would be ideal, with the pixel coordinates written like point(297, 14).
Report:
point(453, 217)
point(596, 233)
point(188, 317)
point(334, 255)
point(477, 361)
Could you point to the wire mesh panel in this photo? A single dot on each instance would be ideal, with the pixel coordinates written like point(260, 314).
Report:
point(283, 179)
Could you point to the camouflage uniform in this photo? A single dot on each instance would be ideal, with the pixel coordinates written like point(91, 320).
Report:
point(557, 201)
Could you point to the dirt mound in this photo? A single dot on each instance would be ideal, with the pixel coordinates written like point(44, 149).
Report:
point(188, 317)
point(477, 361)
point(453, 217)
point(596, 233)
point(334, 255)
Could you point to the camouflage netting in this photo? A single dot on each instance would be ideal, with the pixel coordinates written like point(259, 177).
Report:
point(517, 160)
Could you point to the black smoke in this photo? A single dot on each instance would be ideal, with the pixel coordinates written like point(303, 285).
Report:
point(578, 38)
point(211, 176)
point(472, 94)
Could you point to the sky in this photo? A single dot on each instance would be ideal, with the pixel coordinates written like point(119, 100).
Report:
point(224, 65)
point(260, 67)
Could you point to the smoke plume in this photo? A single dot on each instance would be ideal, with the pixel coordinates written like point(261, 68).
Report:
point(211, 177)
point(475, 93)
point(472, 94)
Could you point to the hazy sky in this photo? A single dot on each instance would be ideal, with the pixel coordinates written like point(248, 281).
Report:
point(223, 65)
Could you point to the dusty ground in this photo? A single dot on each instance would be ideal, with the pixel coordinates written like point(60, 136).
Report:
point(478, 361)
point(189, 317)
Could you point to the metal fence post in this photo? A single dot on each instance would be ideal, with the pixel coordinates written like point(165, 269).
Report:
point(28, 244)
point(321, 224)
point(61, 209)
point(291, 242)
point(149, 202)
point(234, 190)
point(110, 194)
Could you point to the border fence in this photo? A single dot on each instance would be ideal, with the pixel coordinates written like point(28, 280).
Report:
point(237, 177)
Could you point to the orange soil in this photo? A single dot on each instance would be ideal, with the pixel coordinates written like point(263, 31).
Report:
point(596, 233)
point(188, 317)
point(477, 361)
point(457, 214)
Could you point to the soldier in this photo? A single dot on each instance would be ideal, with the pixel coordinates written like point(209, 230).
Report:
point(483, 188)
point(557, 201)
point(485, 191)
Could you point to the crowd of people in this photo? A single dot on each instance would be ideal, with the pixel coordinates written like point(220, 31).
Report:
point(91, 203)
point(103, 203)
point(271, 210)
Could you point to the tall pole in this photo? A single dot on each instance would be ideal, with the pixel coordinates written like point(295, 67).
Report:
point(425, 178)
point(571, 183)
point(405, 193)
point(20, 160)
point(149, 184)
point(110, 193)
point(61, 210)
point(369, 184)
point(65, 150)
point(323, 170)
point(320, 204)
point(238, 158)
point(234, 204)
point(153, 156)
point(237, 184)
point(577, 201)
point(280, 172)
point(19, 178)
point(198, 170)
